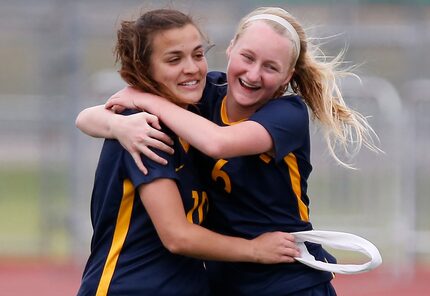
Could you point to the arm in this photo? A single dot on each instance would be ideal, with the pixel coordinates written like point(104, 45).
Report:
point(135, 132)
point(244, 138)
point(96, 122)
point(164, 205)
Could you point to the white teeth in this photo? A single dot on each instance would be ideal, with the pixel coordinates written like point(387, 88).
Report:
point(248, 84)
point(189, 83)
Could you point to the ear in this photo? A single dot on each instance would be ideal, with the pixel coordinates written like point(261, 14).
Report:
point(288, 78)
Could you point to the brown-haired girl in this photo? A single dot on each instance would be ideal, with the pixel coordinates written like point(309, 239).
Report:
point(144, 223)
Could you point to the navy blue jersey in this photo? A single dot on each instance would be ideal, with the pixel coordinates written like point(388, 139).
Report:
point(254, 194)
point(127, 256)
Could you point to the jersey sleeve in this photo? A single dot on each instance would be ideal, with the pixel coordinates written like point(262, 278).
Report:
point(287, 121)
point(155, 170)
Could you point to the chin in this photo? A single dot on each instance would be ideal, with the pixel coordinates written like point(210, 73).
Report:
point(190, 99)
point(194, 101)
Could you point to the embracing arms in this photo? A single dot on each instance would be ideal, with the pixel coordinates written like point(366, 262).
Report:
point(136, 132)
point(164, 205)
point(140, 131)
point(244, 138)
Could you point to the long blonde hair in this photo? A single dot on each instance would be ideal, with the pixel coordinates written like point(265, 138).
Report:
point(315, 79)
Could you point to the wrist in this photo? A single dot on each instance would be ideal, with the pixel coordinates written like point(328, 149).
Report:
point(149, 103)
point(254, 255)
point(113, 123)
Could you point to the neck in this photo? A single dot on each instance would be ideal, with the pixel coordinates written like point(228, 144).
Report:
point(236, 112)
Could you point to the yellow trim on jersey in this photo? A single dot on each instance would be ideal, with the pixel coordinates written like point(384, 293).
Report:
point(120, 233)
point(224, 115)
point(293, 168)
point(184, 144)
point(266, 158)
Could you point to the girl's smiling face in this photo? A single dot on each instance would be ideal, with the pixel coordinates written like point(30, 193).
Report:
point(178, 62)
point(259, 66)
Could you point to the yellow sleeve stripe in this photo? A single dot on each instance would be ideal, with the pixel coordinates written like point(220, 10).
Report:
point(266, 158)
point(185, 145)
point(120, 233)
point(293, 167)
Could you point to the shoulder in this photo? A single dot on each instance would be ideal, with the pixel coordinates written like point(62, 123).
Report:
point(216, 77)
point(214, 92)
point(216, 82)
point(287, 121)
point(291, 109)
point(290, 101)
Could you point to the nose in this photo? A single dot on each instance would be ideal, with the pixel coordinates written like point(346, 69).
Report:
point(253, 74)
point(190, 66)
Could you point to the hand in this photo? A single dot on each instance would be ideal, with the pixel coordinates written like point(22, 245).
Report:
point(131, 98)
point(138, 132)
point(122, 100)
point(275, 247)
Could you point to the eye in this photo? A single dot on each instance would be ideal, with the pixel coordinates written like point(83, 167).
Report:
point(271, 68)
point(199, 55)
point(173, 60)
point(247, 57)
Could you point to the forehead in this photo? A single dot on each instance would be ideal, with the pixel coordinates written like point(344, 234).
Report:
point(176, 39)
point(261, 38)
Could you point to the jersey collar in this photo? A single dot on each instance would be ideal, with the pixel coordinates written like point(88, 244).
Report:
point(224, 116)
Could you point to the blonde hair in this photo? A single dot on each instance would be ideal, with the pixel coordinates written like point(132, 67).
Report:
point(315, 79)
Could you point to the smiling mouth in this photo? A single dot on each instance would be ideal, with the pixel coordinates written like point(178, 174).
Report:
point(189, 83)
point(248, 85)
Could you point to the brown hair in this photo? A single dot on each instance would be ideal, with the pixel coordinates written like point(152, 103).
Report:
point(134, 47)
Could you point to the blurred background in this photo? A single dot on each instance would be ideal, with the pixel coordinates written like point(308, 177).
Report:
point(57, 58)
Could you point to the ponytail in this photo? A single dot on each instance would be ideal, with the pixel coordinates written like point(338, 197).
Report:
point(316, 81)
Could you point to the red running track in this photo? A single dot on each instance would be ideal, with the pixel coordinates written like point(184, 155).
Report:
point(53, 279)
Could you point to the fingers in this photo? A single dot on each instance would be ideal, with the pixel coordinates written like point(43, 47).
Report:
point(117, 109)
point(152, 155)
point(291, 251)
point(289, 236)
point(112, 101)
point(158, 136)
point(291, 246)
point(286, 259)
point(156, 144)
point(139, 163)
point(152, 120)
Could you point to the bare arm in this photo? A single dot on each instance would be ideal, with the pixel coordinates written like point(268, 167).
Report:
point(163, 203)
point(96, 122)
point(141, 127)
point(244, 138)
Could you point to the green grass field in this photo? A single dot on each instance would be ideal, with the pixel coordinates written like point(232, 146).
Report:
point(33, 208)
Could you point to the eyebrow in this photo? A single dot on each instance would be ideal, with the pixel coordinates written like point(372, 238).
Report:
point(176, 52)
point(267, 61)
